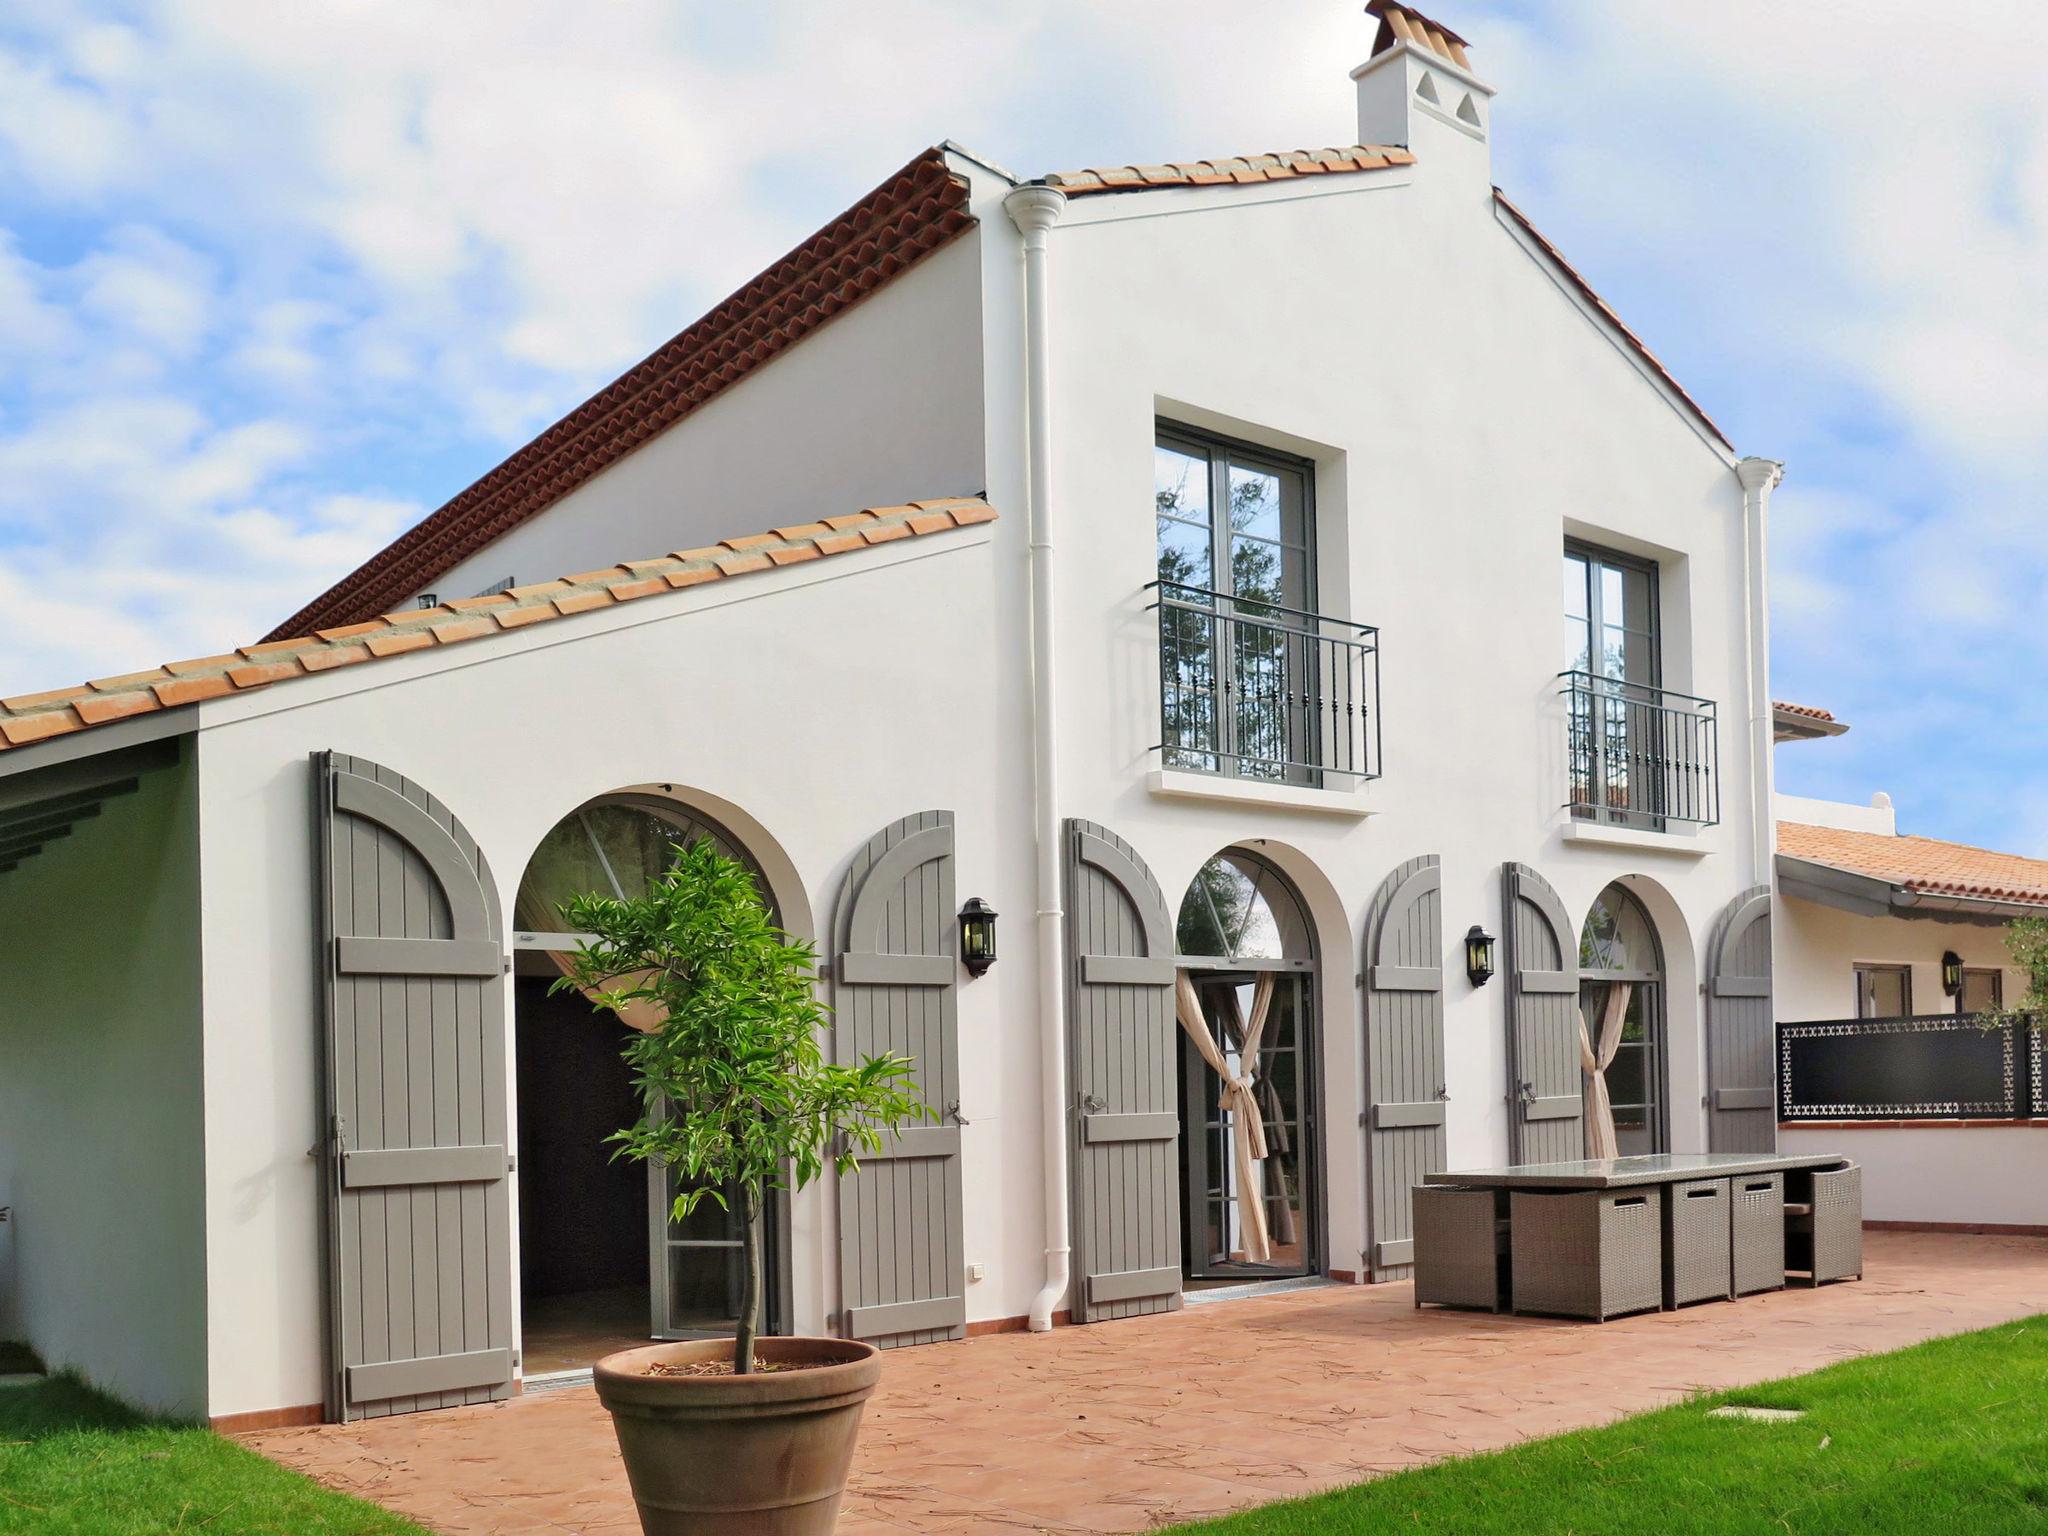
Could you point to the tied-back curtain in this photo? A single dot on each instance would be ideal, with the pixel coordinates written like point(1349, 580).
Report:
point(1240, 1101)
point(1601, 1139)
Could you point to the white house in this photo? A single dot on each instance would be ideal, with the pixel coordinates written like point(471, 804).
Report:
point(1890, 951)
point(288, 1125)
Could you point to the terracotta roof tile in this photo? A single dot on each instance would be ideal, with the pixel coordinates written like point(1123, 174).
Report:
point(1244, 171)
point(31, 717)
point(1405, 24)
point(1585, 289)
point(917, 211)
point(1922, 865)
point(1810, 711)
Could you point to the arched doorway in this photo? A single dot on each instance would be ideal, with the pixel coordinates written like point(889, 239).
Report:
point(601, 1266)
point(1249, 1079)
point(1622, 1008)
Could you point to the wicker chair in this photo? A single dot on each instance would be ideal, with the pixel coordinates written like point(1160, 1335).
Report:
point(1756, 1233)
point(1824, 1224)
point(1460, 1248)
point(1697, 1264)
point(1593, 1253)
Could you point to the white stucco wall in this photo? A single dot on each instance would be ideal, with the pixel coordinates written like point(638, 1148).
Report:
point(1464, 415)
point(1939, 1176)
point(1815, 951)
point(821, 701)
point(879, 407)
point(103, 1263)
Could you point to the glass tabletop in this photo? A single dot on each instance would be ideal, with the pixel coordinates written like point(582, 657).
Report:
point(1614, 1172)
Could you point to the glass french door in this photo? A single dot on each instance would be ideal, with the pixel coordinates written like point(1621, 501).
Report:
point(1214, 1224)
point(1238, 651)
point(1611, 651)
point(697, 1267)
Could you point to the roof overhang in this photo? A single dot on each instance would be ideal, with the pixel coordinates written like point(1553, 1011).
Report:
point(1873, 896)
point(1800, 725)
point(46, 803)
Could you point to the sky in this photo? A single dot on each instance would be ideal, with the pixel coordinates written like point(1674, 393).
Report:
point(277, 280)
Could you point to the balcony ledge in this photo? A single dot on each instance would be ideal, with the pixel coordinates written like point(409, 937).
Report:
point(1172, 784)
point(1599, 834)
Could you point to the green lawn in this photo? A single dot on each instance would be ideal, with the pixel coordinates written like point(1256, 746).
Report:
point(73, 1463)
point(1948, 1438)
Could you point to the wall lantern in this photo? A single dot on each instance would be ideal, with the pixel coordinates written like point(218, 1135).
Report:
point(1479, 955)
point(977, 935)
point(1952, 974)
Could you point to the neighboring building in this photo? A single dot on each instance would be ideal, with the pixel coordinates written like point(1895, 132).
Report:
point(1226, 666)
point(1890, 951)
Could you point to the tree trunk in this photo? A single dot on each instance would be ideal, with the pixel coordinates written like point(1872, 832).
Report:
point(750, 1297)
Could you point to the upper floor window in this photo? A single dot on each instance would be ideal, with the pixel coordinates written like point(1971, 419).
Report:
point(1610, 616)
point(1233, 520)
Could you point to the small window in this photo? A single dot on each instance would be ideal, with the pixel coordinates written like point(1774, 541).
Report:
point(1983, 990)
point(1884, 992)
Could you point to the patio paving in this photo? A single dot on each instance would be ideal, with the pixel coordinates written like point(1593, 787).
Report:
point(1132, 1425)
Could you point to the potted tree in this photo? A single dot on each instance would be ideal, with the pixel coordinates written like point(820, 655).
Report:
point(749, 1434)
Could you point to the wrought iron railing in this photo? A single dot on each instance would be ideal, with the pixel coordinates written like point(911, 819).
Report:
point(1944, 1066)
point(1261, 691)
point(1640, 756)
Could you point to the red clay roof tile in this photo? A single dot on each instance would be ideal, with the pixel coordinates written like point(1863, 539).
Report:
point(1923, 865)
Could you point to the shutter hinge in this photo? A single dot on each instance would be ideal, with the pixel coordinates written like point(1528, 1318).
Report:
point(511, 1162)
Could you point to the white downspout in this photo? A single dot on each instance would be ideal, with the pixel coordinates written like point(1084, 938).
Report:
point(1759, 478)
point(1034, 210)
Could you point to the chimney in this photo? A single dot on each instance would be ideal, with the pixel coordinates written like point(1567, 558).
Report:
point(1418, 90)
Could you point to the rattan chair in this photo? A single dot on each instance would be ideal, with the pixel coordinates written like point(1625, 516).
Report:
point(1594, 1253)
point(1460, 1248)
point(1697, 1264)
point(1756, 1233)
point(1824, 1224)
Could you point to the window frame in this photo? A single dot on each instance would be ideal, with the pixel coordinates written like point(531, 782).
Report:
point(1997, 975)
point(1865, 969)
point(1221, 450)
point(1596, 555)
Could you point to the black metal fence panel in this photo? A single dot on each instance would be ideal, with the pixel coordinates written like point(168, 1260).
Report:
point(1930, 1067)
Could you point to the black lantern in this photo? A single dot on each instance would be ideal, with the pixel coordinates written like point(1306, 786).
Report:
point(1952, 974)
point(1478, 955)
point(977, 935)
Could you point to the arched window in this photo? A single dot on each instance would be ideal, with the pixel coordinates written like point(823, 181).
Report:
point(1621, 981)
point(1239, 908)
point(612, 847)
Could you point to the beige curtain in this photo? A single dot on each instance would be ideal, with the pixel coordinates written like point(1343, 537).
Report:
point(1248, 1126)
point(1601, 1140)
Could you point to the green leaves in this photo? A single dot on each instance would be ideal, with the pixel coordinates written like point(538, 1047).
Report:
point(734, 1080)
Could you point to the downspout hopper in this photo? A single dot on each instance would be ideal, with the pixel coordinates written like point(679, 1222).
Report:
point(1759, 478)
point(1034, 210)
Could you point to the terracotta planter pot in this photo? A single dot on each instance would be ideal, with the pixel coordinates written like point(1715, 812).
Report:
point(759, 1455)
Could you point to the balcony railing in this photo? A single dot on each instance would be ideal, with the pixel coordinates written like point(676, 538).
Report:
point(1264, 692)
point(1638, 756)
point(1944, 1066)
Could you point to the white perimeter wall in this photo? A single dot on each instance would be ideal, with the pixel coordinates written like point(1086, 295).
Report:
point(879, 407)
point(102, 1266)
point(819, 702)
point(1815, 951)
point(1463, 415)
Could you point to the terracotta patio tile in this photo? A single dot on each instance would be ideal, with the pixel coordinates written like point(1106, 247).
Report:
point(1115, 1428)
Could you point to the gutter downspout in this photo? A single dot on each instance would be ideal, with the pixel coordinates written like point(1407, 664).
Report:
point(1034, 210)
point(1759, 478)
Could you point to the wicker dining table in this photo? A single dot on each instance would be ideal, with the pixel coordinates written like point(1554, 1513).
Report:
point(1601, 1237)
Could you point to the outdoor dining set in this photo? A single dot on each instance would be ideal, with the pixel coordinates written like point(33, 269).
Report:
point(1601, 1238)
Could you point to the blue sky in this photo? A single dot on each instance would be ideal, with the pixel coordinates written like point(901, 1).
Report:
point(277, 280)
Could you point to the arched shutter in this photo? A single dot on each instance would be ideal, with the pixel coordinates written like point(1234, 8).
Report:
point(420, 1248)
point(1546, 1094)
point(1742, 1106)
point(1404, 1055)
point(1123, 1055)
point(902, 1270)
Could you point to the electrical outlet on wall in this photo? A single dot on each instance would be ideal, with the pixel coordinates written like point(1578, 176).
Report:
point(976, 1274)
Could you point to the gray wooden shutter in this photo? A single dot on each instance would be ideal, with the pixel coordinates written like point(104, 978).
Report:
point(1742, 1106)
point(1546, 1091)
point(901, 1265)
point(420, 1247)
point(1123, 1056)
point(1404, 1055)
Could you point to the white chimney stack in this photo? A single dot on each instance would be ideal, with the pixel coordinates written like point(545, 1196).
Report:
point(1418, 90)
